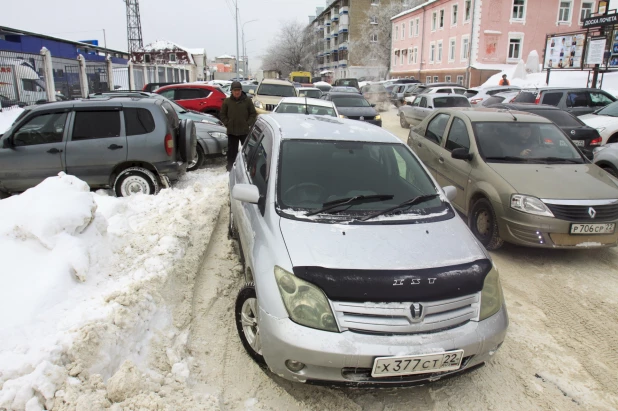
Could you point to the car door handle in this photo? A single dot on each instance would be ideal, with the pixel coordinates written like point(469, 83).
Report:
point(54, 151)
point(114, 147)
point(420, 145)
point(441, 160)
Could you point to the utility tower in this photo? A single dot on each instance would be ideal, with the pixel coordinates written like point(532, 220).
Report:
point(134, 26)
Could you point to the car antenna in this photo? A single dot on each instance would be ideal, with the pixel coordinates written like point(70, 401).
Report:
point(512, 115)
point(306, 106)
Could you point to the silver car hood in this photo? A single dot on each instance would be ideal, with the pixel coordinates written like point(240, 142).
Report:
point(380, 246)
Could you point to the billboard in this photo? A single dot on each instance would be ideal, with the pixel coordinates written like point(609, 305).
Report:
point(564, 51)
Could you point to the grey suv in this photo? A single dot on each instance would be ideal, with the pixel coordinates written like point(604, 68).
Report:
point(577, 101)
point(130, 145)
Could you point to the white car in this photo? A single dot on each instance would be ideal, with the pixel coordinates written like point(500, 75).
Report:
point(605, 120)
point(311, 92)
point(303, 105)
point(478, 95)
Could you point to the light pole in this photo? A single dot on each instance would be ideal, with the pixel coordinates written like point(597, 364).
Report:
point(246, 61)
point(244, 44)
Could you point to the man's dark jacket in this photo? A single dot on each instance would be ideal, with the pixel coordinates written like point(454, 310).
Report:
point(239, 115)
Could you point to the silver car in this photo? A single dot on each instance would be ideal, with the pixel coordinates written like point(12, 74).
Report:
point(606, 157)
point(419, 107)
point(478, 95)
point(358, 269)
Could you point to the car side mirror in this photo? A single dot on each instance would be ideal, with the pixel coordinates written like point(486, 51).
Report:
point(373, 105)
point(461, 154)
point(450, 192)
point(252, 92)
point(7, 143)
point(589, 154)
point(247, 193)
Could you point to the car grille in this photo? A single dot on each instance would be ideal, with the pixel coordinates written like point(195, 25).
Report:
point(399, 318)
point(581, 212)
point(270, 107)
point(365, 118)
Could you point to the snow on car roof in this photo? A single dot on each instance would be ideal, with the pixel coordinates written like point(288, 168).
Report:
point(309, 101)
point(310, 127)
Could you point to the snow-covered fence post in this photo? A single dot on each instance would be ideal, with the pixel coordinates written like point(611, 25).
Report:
point(48, 75)
point(131, 76)
point(110, 73)
point(83, 78)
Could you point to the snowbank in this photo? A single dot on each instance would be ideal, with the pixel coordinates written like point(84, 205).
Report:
point(96, 294)
point(8, 116)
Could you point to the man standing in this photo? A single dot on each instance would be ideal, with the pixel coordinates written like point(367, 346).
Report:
point(504, 81)
point(238, 115)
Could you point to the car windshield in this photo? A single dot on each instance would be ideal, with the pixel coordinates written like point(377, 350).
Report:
point(291, 108)
point(513, 142)
point(299, 79)
point(313, 173)
point(345, 101)
point(278, 90)
point(451, 101)
point(561, 118)
point(310, 93)
point(247, 87)
point(610, 110)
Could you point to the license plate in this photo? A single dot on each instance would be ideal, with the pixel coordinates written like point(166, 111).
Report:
point(588, 229)
point(417, 364)
point(579, 143)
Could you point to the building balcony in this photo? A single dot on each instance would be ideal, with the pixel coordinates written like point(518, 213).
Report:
point(342, 63)
point(344, 10)
point(343, 28)
point(327, 23)
point(343, 46)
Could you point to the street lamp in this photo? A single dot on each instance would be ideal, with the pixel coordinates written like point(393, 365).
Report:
point(243, 42)
point(246, 59)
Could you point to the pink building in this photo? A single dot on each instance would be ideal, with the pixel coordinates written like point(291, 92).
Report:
point(460, 40)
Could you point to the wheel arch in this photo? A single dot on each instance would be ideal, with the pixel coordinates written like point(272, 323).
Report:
point(482, 190)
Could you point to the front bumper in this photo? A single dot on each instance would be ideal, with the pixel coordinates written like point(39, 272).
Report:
point(212, 145)
point(546, 232)
point(347, 357)
point(171, 170)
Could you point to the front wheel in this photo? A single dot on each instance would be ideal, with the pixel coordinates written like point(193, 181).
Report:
point(484, 224)
point(247, 324)
point(136, 180)
point(609, 169)
point(403, 122)
point(198, 160)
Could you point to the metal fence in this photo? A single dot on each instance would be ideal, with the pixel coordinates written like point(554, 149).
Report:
point(21, 78)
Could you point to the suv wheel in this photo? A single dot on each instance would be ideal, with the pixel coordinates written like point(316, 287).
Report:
point(246, 312)
point(136, 180)
point(403, 122)
point(484, 225)
point(198, 160)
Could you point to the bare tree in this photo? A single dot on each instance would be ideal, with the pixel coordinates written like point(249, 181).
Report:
point(292, 49)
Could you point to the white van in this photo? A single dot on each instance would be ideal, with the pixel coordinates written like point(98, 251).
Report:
point(19, 81)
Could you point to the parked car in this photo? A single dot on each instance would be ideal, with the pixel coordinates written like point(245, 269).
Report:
point(343, 89)
point(447, 88)
point(199, 97)
point(126, 144)
point(303, 105)
point(376, 94)
point(577, 101)
point(479, 95)
point(152, 87)
point(357, 268)
point(606, 157)
point(347, 82)
point(581, 134)
point(311, 92)
point(322, 86)
point(270, 92)
point(519, 179)
point(401, 91)
point(7, 102)
point(506, 97)
point(605, 120)
point(419, 107)
point(355, 107)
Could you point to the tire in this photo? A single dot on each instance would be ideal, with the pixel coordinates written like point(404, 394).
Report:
point(612, 139)
point(136, 180)
point(247, 322)
point(187, 141)
point(403, 122)
point(484, 224)
point(198, 160)
point(611, 170)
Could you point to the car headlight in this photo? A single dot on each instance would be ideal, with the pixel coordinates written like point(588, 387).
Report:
point(342, 116)
point(491, 295)
point(378, 117)
point(306, 304)
point(530, 205)
point(258, 104)
point(216, 134)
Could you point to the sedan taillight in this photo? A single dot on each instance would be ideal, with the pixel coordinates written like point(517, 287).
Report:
point(538, 98)
point(169, 144)
point(596, 142)
point(476, 100)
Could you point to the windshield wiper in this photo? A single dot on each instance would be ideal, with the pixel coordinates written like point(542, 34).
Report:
point(407, 203)
point(568, 160)
point(350, 201)
point(508, 158)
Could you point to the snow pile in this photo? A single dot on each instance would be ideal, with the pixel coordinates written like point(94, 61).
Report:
point(8, 116)
point(96, 294)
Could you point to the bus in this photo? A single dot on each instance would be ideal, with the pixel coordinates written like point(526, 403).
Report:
point(302, 77)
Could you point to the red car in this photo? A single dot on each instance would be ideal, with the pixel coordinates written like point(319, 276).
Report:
point(196, 97)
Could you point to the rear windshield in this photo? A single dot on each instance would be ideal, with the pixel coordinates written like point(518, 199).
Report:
point(561, 118)
point(525, 97)
point(441, 102)
point(277, 90)
point(350, 102)
point(471, 93)
point(303, 109)
point(310, 93)
point(493, 100)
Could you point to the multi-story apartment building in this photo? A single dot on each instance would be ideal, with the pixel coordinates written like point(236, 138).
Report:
point(339, 27)
point(460, 40)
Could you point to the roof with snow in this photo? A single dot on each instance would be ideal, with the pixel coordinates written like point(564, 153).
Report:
point(225, 56)
point(162, 45)
point(420, 6)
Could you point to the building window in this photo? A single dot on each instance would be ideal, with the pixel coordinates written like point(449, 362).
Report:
point(415, 55)
point(587, 8)
point(451, 49)
point(403, 31)
point(395, 59)
point(418, 22)
point(402, 60)
point(374, 38)
point(396, 32)
point(410, 56)
point(436, 79)
point(454, 15)
point(460, 80)
point(434, 18)
point(411, 28)
point(432, 52)
point(519, 9)
point(373, 20)
point(515, 48)
point(428, 79)
point(465, 46)
point(439, 59)
point(447, 79)
point(467, 10)
point(564, 14)
point(442, 18)
point(146, 58)
point(173, 57)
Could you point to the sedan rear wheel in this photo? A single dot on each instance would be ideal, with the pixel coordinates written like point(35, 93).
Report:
point(610, 170)
point(197, 161)
point(484, 224)
point(402, 120)
point(247, 323)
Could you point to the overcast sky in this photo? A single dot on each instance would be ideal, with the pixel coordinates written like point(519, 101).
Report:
point(190, 23)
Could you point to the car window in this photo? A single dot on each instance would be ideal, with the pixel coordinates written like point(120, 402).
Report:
point(278, 90)
point(553, 99)
point(251, 143)
point(138, 121)
point(610, 110)
point(458, 135)
point(444, 90)
point(417, 101)
point(459, 91)
point(436, 127)
point(310, 93)
point(423, 102)
point(303, 109)
point(599, 99)
point(42, 129)
point(259, 167)
point(528, 97)
point(168, 94)
point(471, 93)
point(560, 117)
point(170, 113)
point(341, 101)
point(492, 100)
point(577, 99)
point(191, 93)
point(90, 125)
point(492, 92)
point(450, 101)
